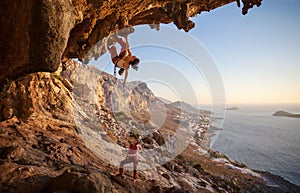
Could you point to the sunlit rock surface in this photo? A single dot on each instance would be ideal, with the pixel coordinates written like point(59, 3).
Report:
point(41, 146)
point(43, 151)
point(37, 34)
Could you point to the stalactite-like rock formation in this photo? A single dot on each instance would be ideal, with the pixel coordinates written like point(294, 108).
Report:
point(37, 34)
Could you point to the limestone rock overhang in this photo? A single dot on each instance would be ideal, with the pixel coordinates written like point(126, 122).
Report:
point(36, 35)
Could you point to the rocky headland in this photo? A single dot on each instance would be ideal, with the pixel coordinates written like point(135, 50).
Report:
point(232, 109)
point(189, 108)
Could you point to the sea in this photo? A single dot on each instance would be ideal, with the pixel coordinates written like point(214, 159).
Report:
point(251, 135)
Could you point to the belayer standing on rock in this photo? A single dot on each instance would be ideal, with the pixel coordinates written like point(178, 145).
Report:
point(123, 60)
point(131, 157)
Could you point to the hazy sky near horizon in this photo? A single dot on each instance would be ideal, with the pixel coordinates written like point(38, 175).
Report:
point(257, 55)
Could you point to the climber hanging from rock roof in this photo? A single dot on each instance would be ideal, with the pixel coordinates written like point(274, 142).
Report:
point(125, 59)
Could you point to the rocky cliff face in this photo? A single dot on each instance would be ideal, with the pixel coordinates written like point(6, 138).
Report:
point(45, 149)
point(46, 118)
point(37, 34)
point(41, 149)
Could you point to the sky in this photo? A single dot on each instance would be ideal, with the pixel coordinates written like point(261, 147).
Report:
point(249, 59)
point(258, 55)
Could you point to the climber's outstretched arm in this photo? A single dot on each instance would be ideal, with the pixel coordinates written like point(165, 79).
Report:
point(126, 75)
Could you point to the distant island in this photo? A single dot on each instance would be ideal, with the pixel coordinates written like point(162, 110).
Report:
point(286, 114)
point(232, 109)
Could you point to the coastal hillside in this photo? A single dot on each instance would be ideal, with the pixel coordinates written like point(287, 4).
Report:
point(46, 149)
point(189, 108)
